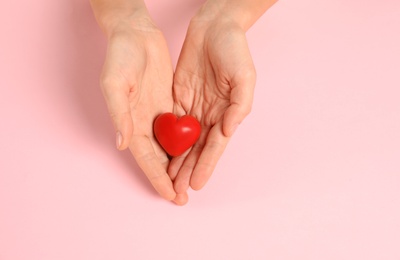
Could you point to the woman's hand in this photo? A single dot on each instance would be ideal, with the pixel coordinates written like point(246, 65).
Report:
point(137, 85)
point(214, 82)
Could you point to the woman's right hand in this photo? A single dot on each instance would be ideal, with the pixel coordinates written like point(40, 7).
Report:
point(137, 85)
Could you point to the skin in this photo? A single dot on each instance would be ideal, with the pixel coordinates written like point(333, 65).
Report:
point(214, 81)
point(137, 85)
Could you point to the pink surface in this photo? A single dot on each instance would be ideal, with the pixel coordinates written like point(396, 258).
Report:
point(313, 173)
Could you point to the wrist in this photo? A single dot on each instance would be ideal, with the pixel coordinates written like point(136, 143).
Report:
point(243, 13)
point(121, 17)
point(139, 23)
point(221, 11)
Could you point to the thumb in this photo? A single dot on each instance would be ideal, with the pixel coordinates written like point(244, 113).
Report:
point(241, 103)
point(119, 109)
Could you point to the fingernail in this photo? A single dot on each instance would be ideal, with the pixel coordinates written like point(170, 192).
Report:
point(234, 127)
point(119, 140)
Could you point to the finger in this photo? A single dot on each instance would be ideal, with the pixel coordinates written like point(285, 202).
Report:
point(176, 164)
point(173, 169)
point(181, 199)
point(154, 166)
point(119, 109)
point(182, 180)
point(241, 101)
point(212, 151)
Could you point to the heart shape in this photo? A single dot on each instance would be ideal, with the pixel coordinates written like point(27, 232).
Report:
point(176, 135)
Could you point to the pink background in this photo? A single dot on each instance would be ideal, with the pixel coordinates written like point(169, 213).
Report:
point(312, 173)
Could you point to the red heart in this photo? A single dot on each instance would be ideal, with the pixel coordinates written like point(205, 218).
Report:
point(176, 135)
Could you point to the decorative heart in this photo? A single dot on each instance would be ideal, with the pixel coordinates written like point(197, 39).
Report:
point(176, 135)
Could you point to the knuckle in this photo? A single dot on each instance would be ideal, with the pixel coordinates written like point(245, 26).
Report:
point(214, 145)
point(107, 83)
point(244, 110)
point(198, 146)
point(147, 157)
point(249, 74)
point(248, 109)
point(155, 178)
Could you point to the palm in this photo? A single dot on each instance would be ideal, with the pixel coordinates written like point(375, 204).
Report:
point(137, 84)
point(208, 84)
